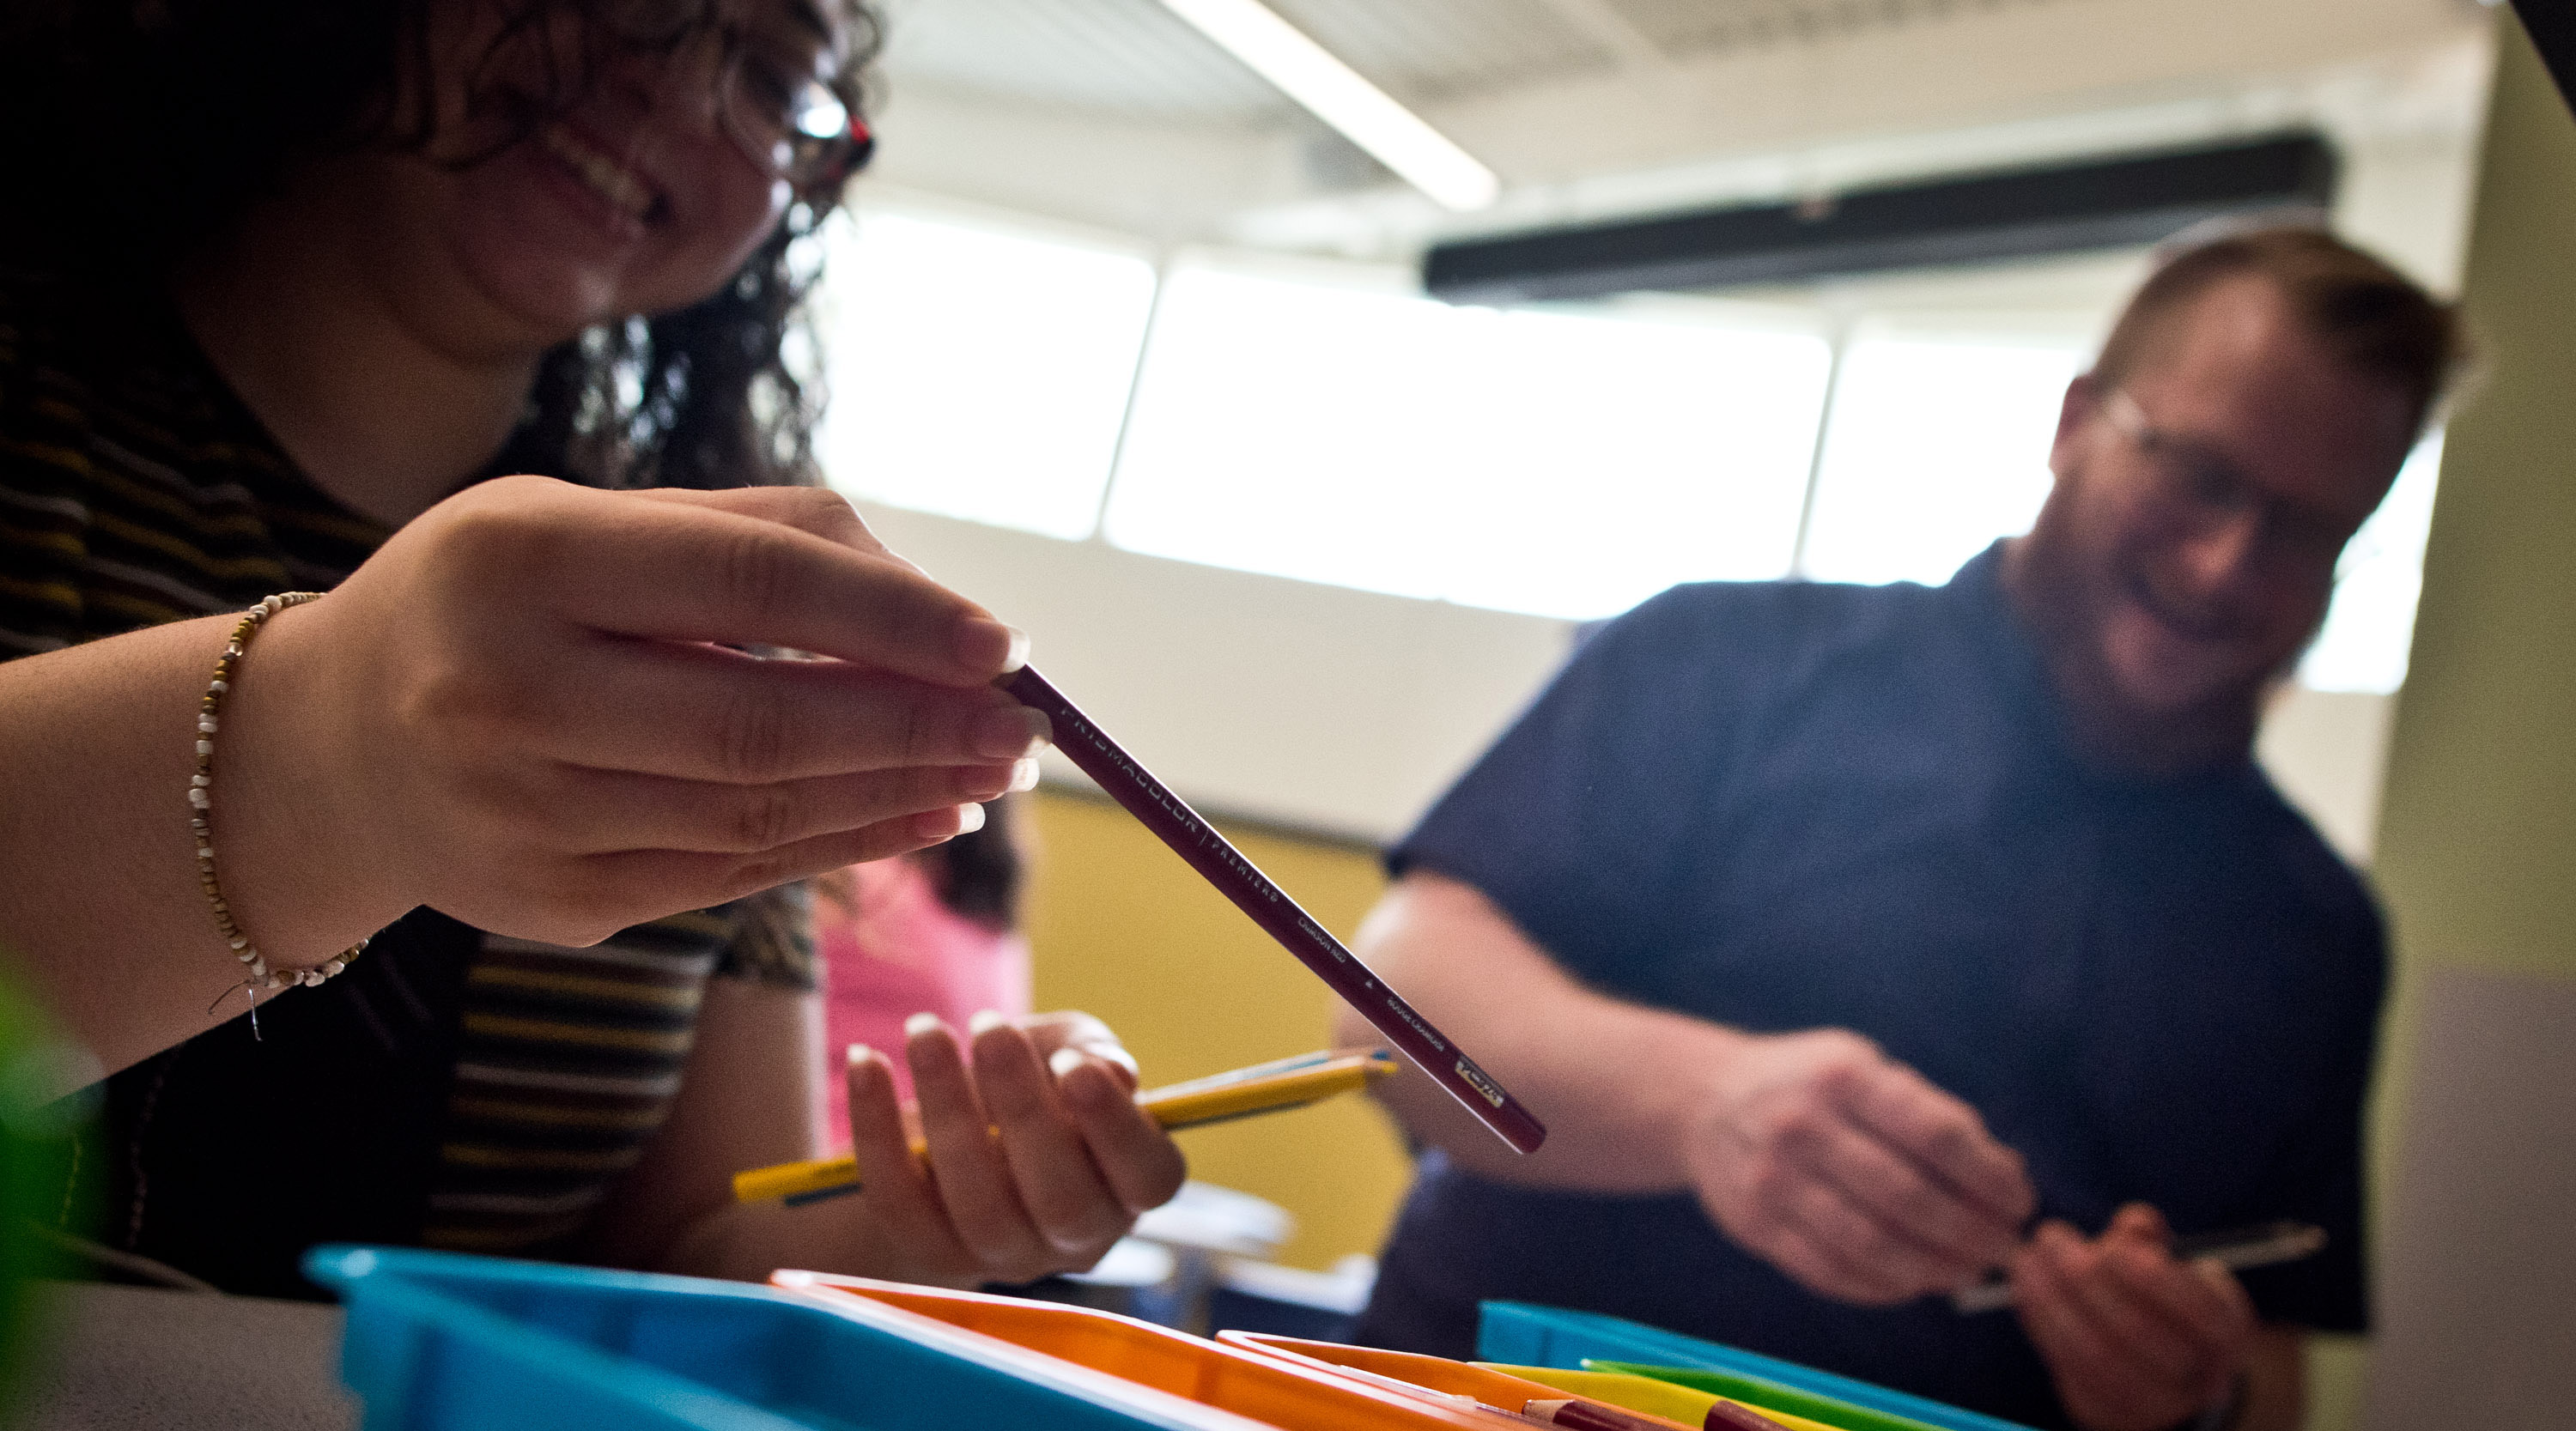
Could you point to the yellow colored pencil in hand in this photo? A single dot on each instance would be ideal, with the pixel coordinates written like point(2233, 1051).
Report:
point(1262, 1088)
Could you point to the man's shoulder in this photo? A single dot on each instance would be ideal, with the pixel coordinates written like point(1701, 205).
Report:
point(1790, 598)
point(1780, 620)
point(2323, 889)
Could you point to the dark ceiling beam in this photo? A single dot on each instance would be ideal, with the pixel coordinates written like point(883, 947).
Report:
point(2020, 213)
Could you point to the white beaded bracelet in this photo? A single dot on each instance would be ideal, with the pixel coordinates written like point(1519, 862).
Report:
point(262, 979)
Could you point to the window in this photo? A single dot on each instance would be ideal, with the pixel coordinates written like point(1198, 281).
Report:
point(2363, 645)
point(977, 373)
point(1528, 461)
point(1935, 448)
point(1324, 422)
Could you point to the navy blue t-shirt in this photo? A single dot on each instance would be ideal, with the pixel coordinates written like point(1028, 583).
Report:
point(1787, 806)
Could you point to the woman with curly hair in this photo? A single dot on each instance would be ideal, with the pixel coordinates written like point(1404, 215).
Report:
point(480, 838)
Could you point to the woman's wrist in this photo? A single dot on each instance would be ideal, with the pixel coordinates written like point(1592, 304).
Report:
point(261, 976)
point(308, 865)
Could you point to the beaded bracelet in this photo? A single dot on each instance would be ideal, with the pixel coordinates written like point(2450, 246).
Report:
point(262, 979)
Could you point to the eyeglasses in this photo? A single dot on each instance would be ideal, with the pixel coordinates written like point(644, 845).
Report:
point(773, 84)
point(2203, 491)
point(791, 123)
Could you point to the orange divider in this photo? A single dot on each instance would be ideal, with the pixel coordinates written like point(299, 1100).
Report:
point(1231, 1378)
point(1439, 1373)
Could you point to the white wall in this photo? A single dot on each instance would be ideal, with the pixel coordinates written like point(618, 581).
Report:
point(2328, 751)
point(1307, 705)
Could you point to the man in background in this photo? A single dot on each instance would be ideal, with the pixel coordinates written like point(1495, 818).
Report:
point(1855, 941)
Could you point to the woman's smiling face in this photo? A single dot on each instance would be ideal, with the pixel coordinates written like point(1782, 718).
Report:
point(637, 197)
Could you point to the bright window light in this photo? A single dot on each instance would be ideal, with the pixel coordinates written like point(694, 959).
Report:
point(1528, 461)
point(974, 372)
point(1935, 448)
point(2372, 622)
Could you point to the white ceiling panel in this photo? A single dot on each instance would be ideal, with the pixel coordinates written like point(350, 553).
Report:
point(1440, 49)
point(1694, 27)
point(1129, 58)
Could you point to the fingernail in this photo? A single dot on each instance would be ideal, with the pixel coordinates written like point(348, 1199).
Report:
point(984, 644)
point(985, 1019)
point(1024, 776)
point(860, 1053)
point(1011, 733)
point(970, 818)
point(922, 1023)
point(1064, 1061)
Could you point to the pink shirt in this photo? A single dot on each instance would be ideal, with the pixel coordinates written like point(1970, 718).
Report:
point(903, 953)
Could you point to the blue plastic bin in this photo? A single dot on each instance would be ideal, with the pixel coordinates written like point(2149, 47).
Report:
point(441, 1340)
point(1525, 1335)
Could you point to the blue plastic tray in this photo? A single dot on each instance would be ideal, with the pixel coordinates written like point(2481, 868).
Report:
point(1526, 1335)
point(440, 1340)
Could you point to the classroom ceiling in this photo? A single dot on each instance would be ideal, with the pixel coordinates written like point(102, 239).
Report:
point(1135, 59)
point(1117, 115)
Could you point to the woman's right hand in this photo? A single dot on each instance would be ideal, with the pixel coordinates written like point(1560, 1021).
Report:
point(523, 712)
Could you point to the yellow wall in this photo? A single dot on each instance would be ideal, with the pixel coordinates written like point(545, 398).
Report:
point(2477, 837)
point(1122, 928)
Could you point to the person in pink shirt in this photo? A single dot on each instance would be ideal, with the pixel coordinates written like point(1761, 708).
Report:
point(935, 931)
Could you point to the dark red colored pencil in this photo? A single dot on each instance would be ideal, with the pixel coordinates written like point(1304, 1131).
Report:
point(1727, 1416)
point(1238, 879)
point(1576, 1414)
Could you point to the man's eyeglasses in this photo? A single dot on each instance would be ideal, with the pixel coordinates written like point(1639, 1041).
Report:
point(2204, 491)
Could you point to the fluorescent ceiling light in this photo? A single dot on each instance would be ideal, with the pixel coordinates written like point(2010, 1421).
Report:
point(1310, 74)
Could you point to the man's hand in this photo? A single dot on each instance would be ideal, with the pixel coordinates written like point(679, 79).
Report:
point(1851, 1172)
point(2135, 1340)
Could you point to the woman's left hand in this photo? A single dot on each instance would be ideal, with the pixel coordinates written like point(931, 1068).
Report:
point(1038, 1157)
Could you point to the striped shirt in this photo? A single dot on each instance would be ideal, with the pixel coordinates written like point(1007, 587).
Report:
point(454, 1088)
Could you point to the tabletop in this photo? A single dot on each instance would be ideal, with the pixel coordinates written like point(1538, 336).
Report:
point(112, 1358)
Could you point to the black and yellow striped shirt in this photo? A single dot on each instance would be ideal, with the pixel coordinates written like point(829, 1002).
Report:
point(454, 1088)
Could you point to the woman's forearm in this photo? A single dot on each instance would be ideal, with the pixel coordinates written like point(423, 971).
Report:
point(100, 906)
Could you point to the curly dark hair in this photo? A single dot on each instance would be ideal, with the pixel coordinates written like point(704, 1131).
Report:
point(132, 132)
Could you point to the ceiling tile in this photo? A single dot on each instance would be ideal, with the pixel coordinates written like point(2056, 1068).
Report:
point(1440, 49)
point(1131, 58)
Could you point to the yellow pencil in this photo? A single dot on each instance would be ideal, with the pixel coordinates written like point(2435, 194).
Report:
point(1262, 1088)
